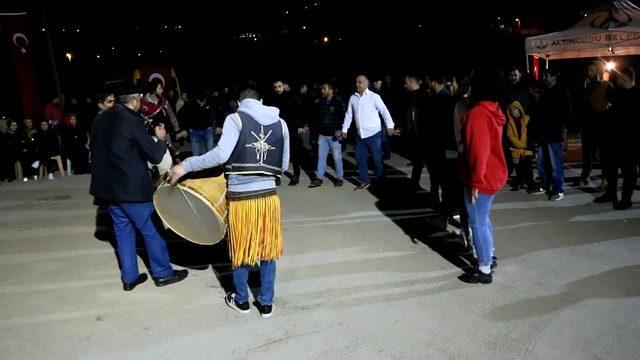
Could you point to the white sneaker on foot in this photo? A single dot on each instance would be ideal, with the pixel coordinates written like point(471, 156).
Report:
point(50, 177)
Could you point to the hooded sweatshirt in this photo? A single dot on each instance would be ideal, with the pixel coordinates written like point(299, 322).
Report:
point(485, 168)
point(517, 132)
point(264, 115)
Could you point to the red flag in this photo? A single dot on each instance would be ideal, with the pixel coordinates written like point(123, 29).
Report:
point(536, 67)
point(164, 73)
point(19, 44)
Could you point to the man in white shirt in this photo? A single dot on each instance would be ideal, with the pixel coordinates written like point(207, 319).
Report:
point(365, 107)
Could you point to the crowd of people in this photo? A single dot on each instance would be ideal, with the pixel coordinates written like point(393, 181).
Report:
point(470, 133)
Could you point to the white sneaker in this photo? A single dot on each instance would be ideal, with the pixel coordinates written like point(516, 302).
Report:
point(556, 197)
point(35, 177)
point(25, 179)
point(50, 177)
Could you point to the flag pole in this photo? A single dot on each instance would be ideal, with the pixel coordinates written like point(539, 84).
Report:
point(52, 57)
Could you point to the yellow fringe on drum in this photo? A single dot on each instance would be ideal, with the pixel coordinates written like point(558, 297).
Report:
point(255, 230)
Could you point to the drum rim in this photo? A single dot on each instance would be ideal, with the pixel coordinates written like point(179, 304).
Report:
point(207, 202)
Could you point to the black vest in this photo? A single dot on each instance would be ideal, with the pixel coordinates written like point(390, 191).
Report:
point(258, 150)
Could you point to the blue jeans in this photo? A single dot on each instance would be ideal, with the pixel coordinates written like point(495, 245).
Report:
point(127, 215)
point(550, 161)
point(267, 281)
point(481, 226)
point(371, 144)
point(206, 136)
point(326, 143)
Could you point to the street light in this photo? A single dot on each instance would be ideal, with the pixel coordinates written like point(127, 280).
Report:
point(610, 65)
point(325, 39)
point(69, 56)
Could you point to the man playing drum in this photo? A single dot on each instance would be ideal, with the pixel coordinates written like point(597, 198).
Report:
point(254, 148)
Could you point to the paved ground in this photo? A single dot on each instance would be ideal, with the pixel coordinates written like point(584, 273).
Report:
point(366, 275)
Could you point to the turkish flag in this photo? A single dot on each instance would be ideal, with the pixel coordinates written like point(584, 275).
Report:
point(19, 44)
point(165, 73)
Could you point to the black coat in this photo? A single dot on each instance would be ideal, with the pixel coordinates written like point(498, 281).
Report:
point(48, 144)
point(554, 113)
point(194, 116)
point(120, 150)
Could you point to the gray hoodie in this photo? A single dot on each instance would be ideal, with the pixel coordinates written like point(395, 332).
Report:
point(264, 115)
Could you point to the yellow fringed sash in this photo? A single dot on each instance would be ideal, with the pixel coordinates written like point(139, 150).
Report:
point(255, 230)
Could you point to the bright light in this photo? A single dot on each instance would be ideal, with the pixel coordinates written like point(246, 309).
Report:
point(610, 65)
point(69, 56)
point(325, 39)
point(97, 56)
point(42, 29)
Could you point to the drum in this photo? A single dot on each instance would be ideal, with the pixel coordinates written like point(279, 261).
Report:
point(195, 209)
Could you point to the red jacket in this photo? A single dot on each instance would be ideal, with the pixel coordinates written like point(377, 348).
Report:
point(484, 164)
point(53, 112)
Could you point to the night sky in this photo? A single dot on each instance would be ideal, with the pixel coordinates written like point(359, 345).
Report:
point(219, 42)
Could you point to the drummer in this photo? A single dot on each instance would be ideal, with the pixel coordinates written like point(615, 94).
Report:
point(120, 149)
point(254, 148)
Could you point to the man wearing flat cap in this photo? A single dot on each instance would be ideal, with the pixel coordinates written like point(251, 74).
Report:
point(120, 150)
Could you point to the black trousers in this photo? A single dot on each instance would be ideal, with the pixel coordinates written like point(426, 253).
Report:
point(524, 171)
point(592, 135)
point(618, 159)
point(437, 170)
point(26, 160)
point(297, 151)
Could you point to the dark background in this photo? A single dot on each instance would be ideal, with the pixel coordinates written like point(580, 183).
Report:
point(209, 46)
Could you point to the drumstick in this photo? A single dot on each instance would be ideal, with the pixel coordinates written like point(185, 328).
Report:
point(189, 202)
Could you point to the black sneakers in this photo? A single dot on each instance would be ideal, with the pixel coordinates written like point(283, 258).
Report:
point(177, 276)
point(230, 299)
point(265, 310)
point(605, 199)
point(130, 286)
point(476, 277)
point(623, 204)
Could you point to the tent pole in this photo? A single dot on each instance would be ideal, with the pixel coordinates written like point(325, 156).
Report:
point(527, 60)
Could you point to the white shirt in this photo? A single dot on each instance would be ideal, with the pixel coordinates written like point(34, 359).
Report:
point(365, 109)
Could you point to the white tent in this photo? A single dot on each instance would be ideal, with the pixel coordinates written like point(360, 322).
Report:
point(610, 30)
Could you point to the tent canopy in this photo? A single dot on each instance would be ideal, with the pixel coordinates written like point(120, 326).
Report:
point(610, 30)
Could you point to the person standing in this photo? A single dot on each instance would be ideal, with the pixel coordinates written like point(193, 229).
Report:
point(254, 148)
point(120, 150)
point(484, 169)
point(364, 109)
point(327, 121)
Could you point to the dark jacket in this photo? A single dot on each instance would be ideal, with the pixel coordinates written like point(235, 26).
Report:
point(328, 116)
point(554, 113)
point(120, 150)
point(290, 110)
point(194, 116)
point(48, 144)
point(415, 115)
point(11, 145)
point(441, 134)
point(623, 125)
point(74, 139)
